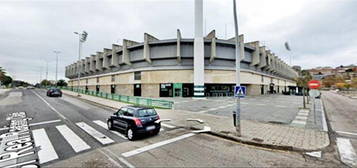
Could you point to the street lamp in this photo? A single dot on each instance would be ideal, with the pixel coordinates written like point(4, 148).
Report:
point(82, 38)
point(56, 52)
point(237, 68)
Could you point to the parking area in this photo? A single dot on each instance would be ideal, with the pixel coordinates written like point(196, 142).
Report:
point(267, 108)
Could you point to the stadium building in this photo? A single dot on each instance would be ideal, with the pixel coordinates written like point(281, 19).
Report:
point(165, 68)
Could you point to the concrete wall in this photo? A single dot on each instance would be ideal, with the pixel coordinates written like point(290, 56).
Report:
point(253, 90)
point(125, 89)
point(150, 90)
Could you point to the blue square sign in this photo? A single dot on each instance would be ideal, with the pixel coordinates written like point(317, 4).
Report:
point(240, 91)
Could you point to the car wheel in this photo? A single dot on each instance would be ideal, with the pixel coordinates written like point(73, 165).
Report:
point(110, 125)
point(156, 132)
point(130, 134)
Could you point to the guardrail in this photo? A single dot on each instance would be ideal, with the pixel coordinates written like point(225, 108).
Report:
point(149, 102)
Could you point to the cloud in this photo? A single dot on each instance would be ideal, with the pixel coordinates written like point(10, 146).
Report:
point(320, 32)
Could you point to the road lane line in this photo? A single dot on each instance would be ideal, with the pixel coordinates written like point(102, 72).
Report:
point(47, 152)
point(156, 145)
point(94, 133)
point(348, 133)
point(5, 128)
point(49, 105)
point(73, 139)
point(102, 124)
point(347, 153)
point(44, 122)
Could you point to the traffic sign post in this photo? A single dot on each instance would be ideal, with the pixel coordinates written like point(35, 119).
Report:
point(314, 93)
point(314, 84)
point(240, 91)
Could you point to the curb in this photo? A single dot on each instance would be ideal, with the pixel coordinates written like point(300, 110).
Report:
point(264, 145)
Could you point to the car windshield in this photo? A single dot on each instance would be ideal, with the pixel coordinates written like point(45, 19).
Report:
point(146, 112)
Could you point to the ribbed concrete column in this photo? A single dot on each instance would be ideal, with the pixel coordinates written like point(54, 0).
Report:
point(115, 57)
point(263, 62)
point(99, 64)
point(212, 36)
point(241, 45)
point(126, 44)
point(87, 66)
point(146, 53)
point(106, 53)
point(198, 53)
point(83, 63)
point(256, 53)
point(92, 63)
point(178, 46)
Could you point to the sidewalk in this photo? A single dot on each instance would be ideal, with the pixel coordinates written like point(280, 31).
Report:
point(255, 133)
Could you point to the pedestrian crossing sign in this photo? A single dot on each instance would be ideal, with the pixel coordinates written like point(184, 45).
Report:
point(240, 91)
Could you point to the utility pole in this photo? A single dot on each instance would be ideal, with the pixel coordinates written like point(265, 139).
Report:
point(237, 67)
point(82, 38)
point(56, 52)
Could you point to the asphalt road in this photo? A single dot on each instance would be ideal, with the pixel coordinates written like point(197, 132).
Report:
point(63, 142)
point(342, 114)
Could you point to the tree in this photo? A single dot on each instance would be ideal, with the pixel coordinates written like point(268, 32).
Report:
point(61, 83)
point(354, 83)
point(46, 83)
point(6, 80)
point(332, 81)
point(303, 79)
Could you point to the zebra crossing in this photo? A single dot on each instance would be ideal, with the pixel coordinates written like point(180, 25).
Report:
point(43, 138)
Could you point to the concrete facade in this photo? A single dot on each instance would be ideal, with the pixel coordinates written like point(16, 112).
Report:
point(156, 64)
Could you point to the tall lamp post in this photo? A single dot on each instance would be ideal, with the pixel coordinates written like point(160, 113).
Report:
point(237, 67)
point(82, 38)
point(56, 52)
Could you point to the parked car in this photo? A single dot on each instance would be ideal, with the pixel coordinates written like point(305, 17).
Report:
point(54, 92)
point(135, 121)
point(30, 87)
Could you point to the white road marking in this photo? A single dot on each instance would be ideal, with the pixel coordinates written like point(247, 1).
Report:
point(156, 145)
point(73, 139)
point(301, 118)
point(94, 133)
point(168, 125)
point(47, 152)
point(49, 105)
point(280, 106)
point(348, 133)
point(303, 114)
point(44, 122)
point(102, 124)
point(5, 128)
point(299, 122)
point(316, 154)
point(347, 153)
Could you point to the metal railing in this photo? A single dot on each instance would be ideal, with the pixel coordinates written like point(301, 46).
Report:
point(148, 102)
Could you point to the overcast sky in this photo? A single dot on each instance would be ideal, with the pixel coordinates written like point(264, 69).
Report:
point(320, 32)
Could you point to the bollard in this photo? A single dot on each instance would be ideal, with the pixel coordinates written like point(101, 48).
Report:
point(234, 118)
